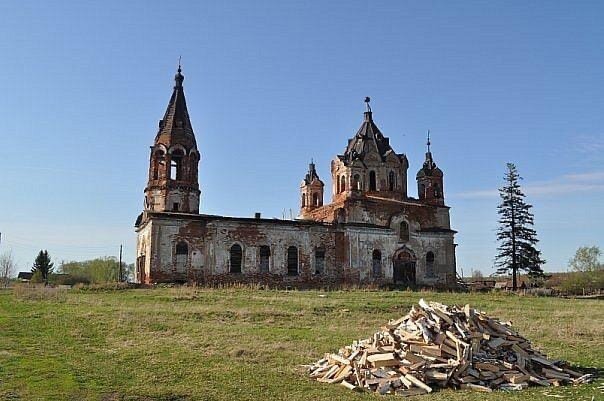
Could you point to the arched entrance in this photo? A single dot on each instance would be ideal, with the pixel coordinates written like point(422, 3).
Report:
point(403, 264)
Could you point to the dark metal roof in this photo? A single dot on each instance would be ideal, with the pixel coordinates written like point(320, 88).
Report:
point(176, 126)
point(429, 168)
point(367, 139)
point(312, 175)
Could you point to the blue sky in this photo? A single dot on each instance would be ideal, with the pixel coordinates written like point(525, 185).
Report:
point(270, 85)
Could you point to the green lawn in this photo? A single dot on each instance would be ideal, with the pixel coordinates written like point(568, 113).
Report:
point(242, 344)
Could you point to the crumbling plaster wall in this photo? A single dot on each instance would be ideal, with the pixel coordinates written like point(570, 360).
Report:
point(348, 248)
point(143, 249)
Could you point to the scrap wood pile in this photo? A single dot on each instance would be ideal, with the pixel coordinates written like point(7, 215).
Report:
point(436, 346)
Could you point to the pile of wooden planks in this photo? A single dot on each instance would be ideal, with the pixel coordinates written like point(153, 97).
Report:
point(437, 346)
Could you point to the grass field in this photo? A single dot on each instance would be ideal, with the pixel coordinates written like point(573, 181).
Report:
point(242, 344)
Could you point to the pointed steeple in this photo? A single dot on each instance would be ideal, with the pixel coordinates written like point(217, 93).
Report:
point(312, 174)
point(176, 126)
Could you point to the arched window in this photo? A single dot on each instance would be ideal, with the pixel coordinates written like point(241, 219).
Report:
point(182, 248)
point(342, 184)
point(236, 256)
point(315, 199)
point(356, 182)
point(377, 263)
point(430, 264)
point(372, 181)
point(319, 260)
point(182, 254)
point(436, 191)
point(159, 160)
point(403, 233)
point(391, 181)
point(337, 185)
point(176, 172)
point(422, 191)
point(292, 261)
point(303, 200)
point(265, 257)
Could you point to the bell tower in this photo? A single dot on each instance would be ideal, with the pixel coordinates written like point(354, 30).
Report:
point(173, 184)
point(430, 181)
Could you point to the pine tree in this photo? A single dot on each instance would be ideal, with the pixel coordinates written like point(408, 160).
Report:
point(518, 239)
point(43, 265)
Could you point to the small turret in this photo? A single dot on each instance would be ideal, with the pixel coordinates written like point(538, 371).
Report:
point(430, 181)
point(311, 190)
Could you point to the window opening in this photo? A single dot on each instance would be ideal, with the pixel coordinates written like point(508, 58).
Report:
point(236, 256)
point(292, 261)
point(319, 261)
point(265, 256)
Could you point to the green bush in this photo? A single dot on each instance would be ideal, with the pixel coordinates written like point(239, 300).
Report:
point(582, 283)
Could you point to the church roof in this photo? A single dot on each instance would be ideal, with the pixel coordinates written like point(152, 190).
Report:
point(175, 127)
point(368, 139)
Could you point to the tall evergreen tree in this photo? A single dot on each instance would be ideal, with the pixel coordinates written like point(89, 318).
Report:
point(43, 265)
point(518, 239)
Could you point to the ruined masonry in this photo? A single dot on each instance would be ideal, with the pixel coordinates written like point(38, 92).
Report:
point(371, 232)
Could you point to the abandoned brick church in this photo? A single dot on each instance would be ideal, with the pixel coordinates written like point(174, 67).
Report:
point(371, 232)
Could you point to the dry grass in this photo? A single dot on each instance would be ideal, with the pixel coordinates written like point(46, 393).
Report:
point(39, 293)
point(188, 343)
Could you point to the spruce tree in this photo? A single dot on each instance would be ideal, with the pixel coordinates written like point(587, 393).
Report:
point(518, 239)
point(43, 265)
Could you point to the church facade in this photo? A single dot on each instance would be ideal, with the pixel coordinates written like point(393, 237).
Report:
point(372, 231)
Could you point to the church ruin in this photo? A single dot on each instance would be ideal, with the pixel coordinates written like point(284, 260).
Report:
point(372, 231)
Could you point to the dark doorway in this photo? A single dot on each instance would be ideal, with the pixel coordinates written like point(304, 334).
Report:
point(372, 181)
point(377, 263)
point(140, 269)
point(404, 268)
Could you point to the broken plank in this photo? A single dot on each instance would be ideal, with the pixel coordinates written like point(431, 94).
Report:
point(418, 383)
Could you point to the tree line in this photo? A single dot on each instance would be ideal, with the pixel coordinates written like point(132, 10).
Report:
point(95, 271)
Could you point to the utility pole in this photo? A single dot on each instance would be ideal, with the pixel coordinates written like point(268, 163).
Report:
point(120, 277)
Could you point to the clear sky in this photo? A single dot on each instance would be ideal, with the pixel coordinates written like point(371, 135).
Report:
point(270, 85)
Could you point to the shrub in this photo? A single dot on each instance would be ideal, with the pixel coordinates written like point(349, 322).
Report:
point(582, 283)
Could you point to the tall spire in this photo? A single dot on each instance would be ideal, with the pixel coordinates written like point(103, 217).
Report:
point(173, 184)
point(176, 126)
